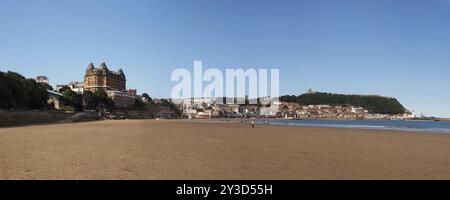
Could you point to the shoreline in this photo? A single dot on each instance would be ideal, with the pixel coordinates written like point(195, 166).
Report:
point(349, 127)
point(212, 121)
point(364, 126)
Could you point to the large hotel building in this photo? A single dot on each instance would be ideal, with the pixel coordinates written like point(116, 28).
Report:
point(102, 78)
point(112, 82)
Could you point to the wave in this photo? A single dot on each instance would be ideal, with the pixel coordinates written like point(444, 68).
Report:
point(409, 126)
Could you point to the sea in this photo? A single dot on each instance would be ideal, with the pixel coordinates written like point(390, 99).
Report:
point(394, 125)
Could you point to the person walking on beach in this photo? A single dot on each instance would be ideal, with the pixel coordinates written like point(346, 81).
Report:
point(253, 124)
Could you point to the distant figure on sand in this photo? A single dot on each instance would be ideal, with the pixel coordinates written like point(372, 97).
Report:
point(253, 124)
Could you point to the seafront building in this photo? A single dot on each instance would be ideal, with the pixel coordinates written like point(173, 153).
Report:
point(74, 86)
point(42, 79)
point(122, 99)
point(102, 78)
point(77, 87)
point(112, 82)
point(207, 108)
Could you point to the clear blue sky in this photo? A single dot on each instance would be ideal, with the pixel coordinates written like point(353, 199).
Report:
point(398, 48)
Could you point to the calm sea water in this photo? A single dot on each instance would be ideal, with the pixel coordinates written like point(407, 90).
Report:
point(412, 126)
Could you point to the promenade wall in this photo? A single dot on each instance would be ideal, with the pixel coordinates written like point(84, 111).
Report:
point(131, 114)
point(16, 118)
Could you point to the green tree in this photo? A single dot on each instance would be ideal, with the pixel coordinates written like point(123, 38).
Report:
point(17, 92)
point(46, 86)
point(139, 105)
point(73, 99)
point(64, 88)
point(373, 103)
point(103, 101)
point(149, 99)
point(145, 95)
point(90, 99)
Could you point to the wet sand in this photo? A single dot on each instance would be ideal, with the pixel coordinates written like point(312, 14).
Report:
point(150, 149)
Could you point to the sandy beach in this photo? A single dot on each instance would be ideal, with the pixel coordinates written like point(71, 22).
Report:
point(151, 149)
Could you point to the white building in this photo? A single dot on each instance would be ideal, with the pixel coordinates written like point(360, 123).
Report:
point(122, 99)
point(76, 87)
point(42, 79)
